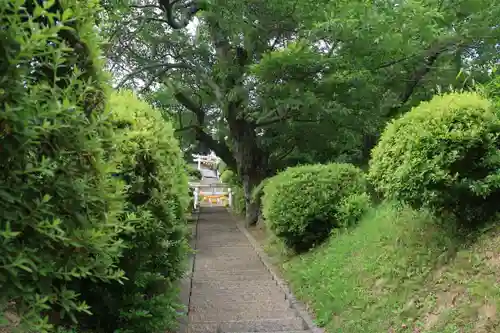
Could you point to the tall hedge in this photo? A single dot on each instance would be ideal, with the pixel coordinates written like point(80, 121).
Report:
point(301, 205)
point(59, 210)
point(151, 164)
point(443, 154)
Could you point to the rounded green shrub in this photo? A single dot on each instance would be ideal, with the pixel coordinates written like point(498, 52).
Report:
point(301, 205)
point(228, 177)
point(60, 211)
point(151, 164)
point(443, 154)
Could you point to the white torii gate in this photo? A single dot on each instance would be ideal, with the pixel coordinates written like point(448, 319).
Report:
point(216, 191)
point(212, 158)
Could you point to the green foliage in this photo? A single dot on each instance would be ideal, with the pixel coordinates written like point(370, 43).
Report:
point(302, 204)
point(193, 172)
point(352, 208)
point(60, 210)
point(239, 202)
point(238, 195)
point(152, 166)
point(493, 89)
point(397, 266)
point(443, 154)
point(258, 191)
point(221, 167)
point(229, 177)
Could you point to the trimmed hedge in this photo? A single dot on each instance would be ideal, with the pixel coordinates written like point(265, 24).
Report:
point(60, 210)
point(443, 154)
point(301, 205)
point(151, 164)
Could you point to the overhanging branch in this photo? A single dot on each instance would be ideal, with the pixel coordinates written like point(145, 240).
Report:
point(429, 58)
point(189, 104)
point(169, 6)
point(282, 119)
point(219, 148)
point(164, 66)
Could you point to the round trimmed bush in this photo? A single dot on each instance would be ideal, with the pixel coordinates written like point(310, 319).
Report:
point(228, 177)
point(444, 155)
point(302, 204)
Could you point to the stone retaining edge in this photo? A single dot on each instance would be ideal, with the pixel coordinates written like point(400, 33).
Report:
point(295, 304)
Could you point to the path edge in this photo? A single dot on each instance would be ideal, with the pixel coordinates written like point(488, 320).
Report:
point(183, 319)
point(294, 303)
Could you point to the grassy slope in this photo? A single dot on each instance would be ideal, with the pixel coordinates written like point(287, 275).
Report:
point(398, 271)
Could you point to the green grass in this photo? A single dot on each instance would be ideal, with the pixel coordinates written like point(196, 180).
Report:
point(401, 271)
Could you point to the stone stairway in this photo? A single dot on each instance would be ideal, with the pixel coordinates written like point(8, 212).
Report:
point(231, 289)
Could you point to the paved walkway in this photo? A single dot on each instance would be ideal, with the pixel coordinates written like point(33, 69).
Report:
point(231, 290)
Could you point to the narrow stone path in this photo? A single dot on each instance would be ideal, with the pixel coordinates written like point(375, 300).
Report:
point(231, 289)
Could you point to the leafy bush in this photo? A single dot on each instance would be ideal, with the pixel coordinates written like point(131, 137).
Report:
point(352, 208)
point(229, 177)
point(443, 154)
point(151, 164)
point(193, 172)
point(302, 204)
point(238, 195)
point(258, 190)
point(492, 89)
point(60, 210)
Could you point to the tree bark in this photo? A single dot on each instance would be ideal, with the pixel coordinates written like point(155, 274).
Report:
point(252, 163)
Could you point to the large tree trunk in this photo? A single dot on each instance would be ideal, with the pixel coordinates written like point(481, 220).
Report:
point(254, 176)
point(252, 164)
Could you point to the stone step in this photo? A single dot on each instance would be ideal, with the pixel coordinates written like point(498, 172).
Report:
point(240, 311)
point(232, 275)
point(276, 332)
point(221, 264)
point(222, 304)
point(235, 285)
point(228, 263)
point(218, 224)
point(233, 296)
point(265, 325)
point(204, 246)
point(221, 238)
point(235, 251)
point(215, 230)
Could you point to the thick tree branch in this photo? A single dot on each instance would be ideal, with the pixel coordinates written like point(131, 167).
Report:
point(430, 57)
point(169, 6)
point(165, 66)
point(186, 128)
point(189, 104)
point(219, 148)
point(282, 119)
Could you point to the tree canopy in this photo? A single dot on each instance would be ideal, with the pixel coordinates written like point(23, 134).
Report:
point(270, 84)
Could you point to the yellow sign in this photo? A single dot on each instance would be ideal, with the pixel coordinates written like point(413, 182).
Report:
point(215, 199)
